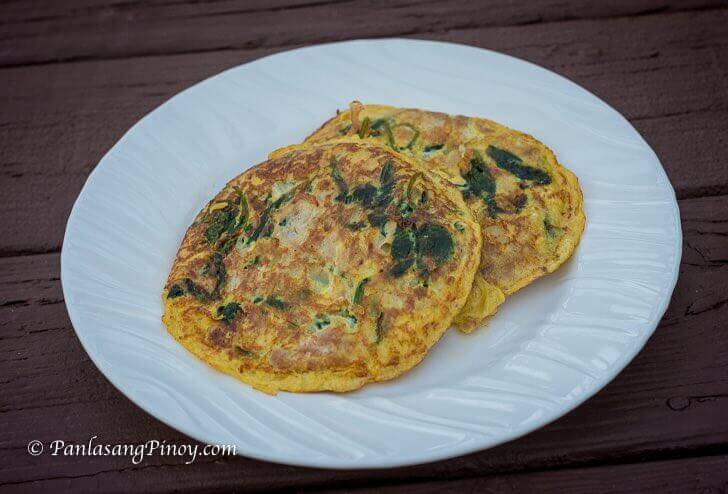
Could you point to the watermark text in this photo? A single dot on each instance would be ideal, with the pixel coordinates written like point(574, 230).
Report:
point(136, 452)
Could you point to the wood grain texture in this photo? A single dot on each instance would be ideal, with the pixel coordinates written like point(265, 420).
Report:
point(75, 75)
point(704, 475)
point(51, 31)
point(61, 118)
point(669, 402)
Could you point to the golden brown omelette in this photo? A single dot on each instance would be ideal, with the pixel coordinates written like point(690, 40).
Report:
point(324, 268)
point(529, 207)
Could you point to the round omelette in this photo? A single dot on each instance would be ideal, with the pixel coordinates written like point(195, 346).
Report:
point(529, 207)
point(324, 268)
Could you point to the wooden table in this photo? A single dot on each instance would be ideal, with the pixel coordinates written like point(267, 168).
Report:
point(75, 75)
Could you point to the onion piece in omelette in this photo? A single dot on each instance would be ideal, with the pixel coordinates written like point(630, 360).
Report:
point(529, 207)
point(324, 268)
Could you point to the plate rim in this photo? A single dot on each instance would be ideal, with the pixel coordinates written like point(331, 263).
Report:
point(386, 462)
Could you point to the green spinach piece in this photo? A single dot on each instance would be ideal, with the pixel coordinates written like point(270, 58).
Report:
point(399, 268)
point(378, 219)
point(433, 147)
point(478, 180)
point(513, 164)
point(411, 245)
point(175, 291)
point(364, 194)
point(265, 226)
point(197, 291)
point(359, 292)
point(403, 243)
point(356, 226)
point(386, 187)
point(493, 208)
point(340, 182)
point(275, 302)
point(228, 311)
point(262, 223)
point(435, 241)
point(227, 245)
point(377, 199)
point(219, 222)
point(422, 269)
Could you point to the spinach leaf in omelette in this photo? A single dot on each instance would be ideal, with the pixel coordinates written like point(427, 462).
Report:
point(513, 164)
point(306, 301)
point(517, 181)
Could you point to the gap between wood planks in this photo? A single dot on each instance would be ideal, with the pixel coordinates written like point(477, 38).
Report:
point(666, 405)
point(715, 476)
point(696, 253)
point(391, 19)
point(366, 480)
point(64, 117)
point(672, 459)
point(703, 474)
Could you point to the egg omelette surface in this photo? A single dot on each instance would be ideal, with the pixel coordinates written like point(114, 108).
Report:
point(529, 207)
point(323, 268)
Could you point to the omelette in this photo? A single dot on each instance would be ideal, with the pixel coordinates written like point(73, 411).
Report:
point(529, 207)
point(326, 267)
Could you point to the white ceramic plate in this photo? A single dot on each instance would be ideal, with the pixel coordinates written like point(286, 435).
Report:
point(550, 347)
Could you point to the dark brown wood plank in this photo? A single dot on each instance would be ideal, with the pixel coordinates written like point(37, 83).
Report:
point(60, 119)
point(662, 64)
point(47, 31)
point(704, 475)
point(670, 401)
point(20, 11)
